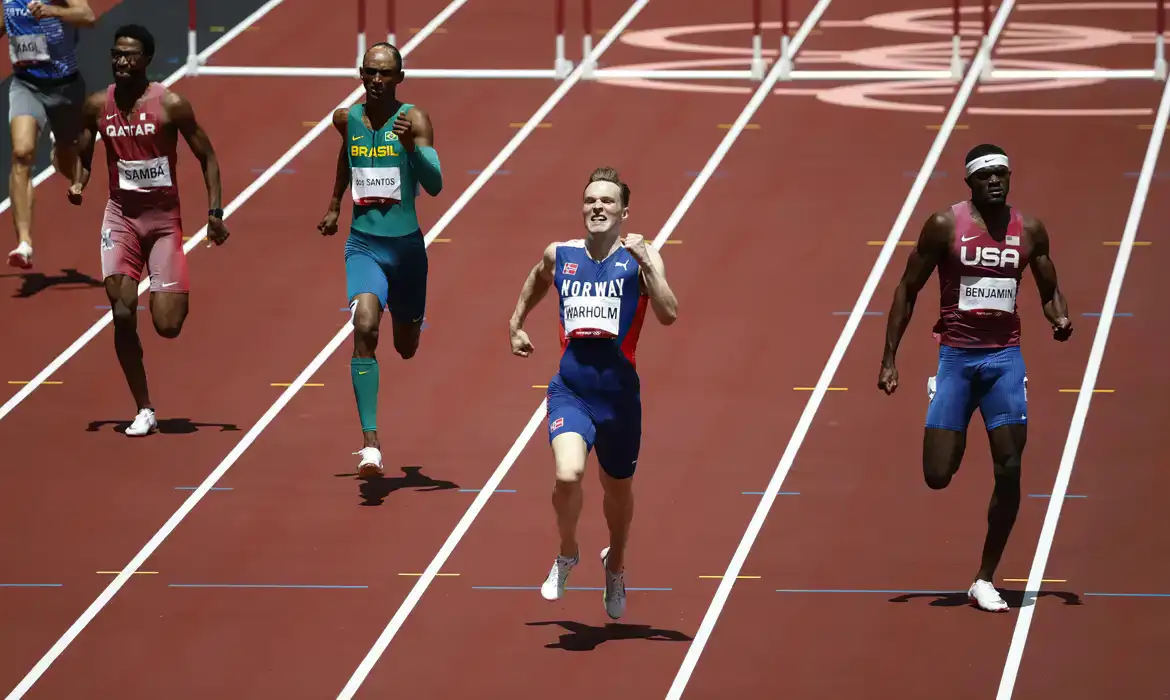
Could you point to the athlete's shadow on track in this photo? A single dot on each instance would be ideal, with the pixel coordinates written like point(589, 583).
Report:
point(166, 426)
point(583, 637)
point(36, 282)
point(1014, 598)
point(375, 490)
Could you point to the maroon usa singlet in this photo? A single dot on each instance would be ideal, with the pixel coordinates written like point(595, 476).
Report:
point(978, 283)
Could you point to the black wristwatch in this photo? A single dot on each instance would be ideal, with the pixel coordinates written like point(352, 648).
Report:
point(217, 213)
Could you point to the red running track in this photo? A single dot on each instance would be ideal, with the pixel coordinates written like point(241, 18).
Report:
point(262, 307)
point(294, 515)
point(866, 554)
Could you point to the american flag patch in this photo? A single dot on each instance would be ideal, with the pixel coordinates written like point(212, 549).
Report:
point(1012, 240)
point(569, 269)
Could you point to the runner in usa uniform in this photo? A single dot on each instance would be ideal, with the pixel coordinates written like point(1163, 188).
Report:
point(139, 122)
point(46, 88)
point(980, 248)
point(387, 153)
point(594, 400)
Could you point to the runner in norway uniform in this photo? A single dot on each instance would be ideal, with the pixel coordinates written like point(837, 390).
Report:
point(605, 283)
point(596, 392)
point(980, 247)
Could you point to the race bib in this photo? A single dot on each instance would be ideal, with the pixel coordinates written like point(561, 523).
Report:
point(139, 175)
point(373, 186)
point(987, 294)
point(28, 48)
point(592, 317)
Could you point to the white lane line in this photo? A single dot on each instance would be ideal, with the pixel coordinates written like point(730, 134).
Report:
point(174, 78)
point(129, 570)
point(265, 177)
point(967, 87)
point(1015, 653)
point(537, 419)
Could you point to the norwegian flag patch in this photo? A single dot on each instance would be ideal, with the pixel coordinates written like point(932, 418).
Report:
point(569, 269)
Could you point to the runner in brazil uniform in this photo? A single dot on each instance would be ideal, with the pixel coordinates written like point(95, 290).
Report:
point(594, 401)
point(980, 248)
point(387, 154)
point(139, 122)
point(46, 88)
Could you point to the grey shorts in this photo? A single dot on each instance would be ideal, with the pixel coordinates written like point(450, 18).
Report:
point(57, 105)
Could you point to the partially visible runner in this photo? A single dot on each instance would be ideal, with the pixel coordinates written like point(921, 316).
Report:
point(46, 88)
point(594, 400)
point(980, 248)
point(140, 121)
point(387, 151)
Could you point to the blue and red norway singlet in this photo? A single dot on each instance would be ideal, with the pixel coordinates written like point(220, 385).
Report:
point(602, 308)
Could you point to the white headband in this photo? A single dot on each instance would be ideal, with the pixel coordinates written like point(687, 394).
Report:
point(988, 161)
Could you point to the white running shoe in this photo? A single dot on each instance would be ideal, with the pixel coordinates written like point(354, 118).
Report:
point(553, 587)
point(615, 589)
point(371, 464)
point(144, 423)
point(21, 256)
point(983, 594)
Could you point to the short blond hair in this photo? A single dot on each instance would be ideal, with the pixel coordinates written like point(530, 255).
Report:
point(608, 174)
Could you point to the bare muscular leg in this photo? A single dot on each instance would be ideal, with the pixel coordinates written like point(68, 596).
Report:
point(569, 455)
point(942, 454)
point(25, 133)
point(122, 291)
point(1007, 450)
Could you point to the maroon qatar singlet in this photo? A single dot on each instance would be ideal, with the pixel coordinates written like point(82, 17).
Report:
point(978, 282)
point(140, 154)
point(143, 226)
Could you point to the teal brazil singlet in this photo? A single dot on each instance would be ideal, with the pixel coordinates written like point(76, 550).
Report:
point(382, 184)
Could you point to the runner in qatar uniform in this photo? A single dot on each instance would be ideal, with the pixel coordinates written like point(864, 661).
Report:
point(605, 283)
point(980, 248)
point(139, 121)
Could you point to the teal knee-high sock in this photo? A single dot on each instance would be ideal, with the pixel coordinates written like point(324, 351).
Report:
point(364, 371)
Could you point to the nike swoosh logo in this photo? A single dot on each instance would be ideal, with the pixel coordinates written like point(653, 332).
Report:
point(355, 138)
point(361, 373)
point(169, 284)
point(969, 238)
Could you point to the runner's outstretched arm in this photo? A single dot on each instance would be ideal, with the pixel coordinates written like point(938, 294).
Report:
point(536, 286)
point(418, 138)
point(75, 12)
point(1043, 269)
point(662, 298)
point(328, 225)
point(90, 112)
point(924, 258)
point(182, 115)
